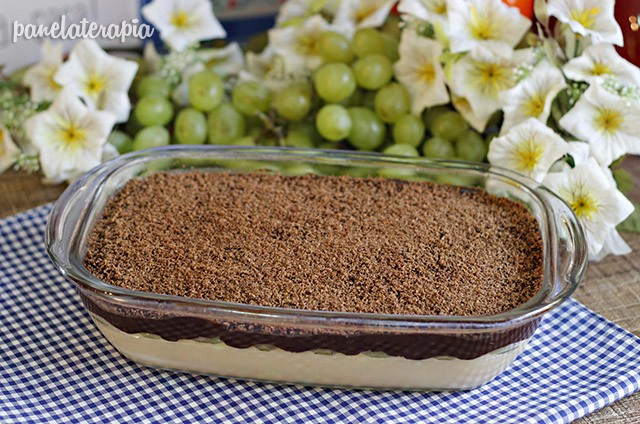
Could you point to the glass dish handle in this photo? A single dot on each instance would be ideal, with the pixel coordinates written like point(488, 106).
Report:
point(569, 241)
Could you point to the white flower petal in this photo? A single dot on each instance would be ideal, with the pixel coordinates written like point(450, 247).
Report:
point(592, 18)
point(39, 78)
point(608, 122)
point(485, 24)
point(98, 78)
point(480, 78)
point(614, 244)
point(432, 11)
point(529, 148)
point(533, 96)
point(419, 69)
point(594, 198)
point(183, 22)
point(8, 150)
point(298, 45)
point(601, 60)
point(356, 14)
point(69, 136)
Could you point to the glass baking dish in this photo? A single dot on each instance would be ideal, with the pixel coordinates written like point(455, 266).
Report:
point(409, 352)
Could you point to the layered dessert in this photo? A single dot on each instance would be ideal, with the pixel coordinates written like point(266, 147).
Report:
point(367, 247)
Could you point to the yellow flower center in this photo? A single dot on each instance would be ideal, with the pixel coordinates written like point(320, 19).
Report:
point(308, 44)
point(95, 85)
point(480, 27)
point(585, 17)
point(491, 77)
point(180, 19)
point(583, 204)
point(441, 8)
point(600, 68)
point(534, 106)
point(72, 136)
point(52, 83)
point(528, 154)
point(427, 73)
point(364, 12)
point(609, 120)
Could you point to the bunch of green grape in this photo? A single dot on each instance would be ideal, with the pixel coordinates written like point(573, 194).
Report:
point(351, 101)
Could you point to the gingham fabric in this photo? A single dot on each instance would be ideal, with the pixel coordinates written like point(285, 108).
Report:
point(56, 367)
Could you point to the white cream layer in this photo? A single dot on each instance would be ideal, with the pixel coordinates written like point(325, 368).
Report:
point(366, 370)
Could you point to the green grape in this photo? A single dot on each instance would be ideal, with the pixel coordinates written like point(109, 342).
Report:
point(470, 146)
point(153, 110)
point(334, 82)
point(190, 127)
point(373, 71)
point(390, 47)
point(334, 122)
point(206, 90)
point(432, 113)
point(150, 137)
point(438, 148)
point(226, 124)
point(401, 150)
point(334, 47)
point(367, 41)
point(408, 129)
point(391, 102)
point(244, 141)
point(121, 141)
point(308, 128)
point(153, 84)
point(294, 102)
point(367, 130)
point(449, 125)
point(297, 139)
point(251, 97)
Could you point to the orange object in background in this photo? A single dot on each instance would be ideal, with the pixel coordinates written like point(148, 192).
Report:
point(628, 17)
point(525, 6)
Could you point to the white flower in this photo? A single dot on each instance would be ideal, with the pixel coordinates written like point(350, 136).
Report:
point(529, 148)
point(101, 80)
point(594, 199)
point(598, 61)
point(480, 77)
point(356, 14)
point(270, 68)
point(432, 11)
point(533, 96)
point(228, 60)
point(419, 69)
point(8, 150)
point(183, 22)
point(593, 18)
point(614, 244)
point(69, 136)
point(39, 78)
point(608, 122)
point(299, 45)
point(487, 24)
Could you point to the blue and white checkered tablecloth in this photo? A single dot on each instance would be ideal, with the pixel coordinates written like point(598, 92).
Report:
point(56, 367)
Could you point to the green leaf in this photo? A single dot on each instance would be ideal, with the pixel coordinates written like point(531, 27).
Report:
point(631, 224)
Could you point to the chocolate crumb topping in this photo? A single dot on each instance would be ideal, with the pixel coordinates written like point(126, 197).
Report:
point(320, 243)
